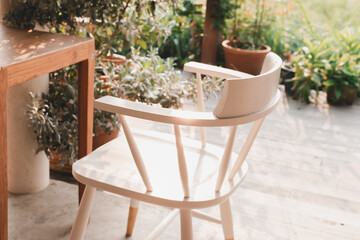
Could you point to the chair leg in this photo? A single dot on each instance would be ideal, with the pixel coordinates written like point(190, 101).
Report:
point(186, 224)
point(133, 210)
point(226, 219)
point(82, 216)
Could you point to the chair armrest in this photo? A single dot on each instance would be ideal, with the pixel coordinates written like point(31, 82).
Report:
point(177, 117)
point(214, 71)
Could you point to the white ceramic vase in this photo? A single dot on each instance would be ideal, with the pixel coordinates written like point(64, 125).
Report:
point(27, 172)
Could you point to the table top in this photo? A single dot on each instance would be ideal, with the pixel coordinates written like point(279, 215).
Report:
point(18, 45)
point(28, 54)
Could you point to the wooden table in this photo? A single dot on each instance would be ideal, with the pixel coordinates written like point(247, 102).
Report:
point(27, 54)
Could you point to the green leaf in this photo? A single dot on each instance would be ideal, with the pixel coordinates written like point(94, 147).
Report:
point(317, 79)
point(160, 69)
point(330, 82)
point(147, 64)
point(323, 44)
point(141, 43)
point(337, 92)
point(308, 45)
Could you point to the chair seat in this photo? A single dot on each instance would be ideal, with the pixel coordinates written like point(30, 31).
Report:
point(98, 169)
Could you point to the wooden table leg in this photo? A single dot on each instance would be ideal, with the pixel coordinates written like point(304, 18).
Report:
point(86, 104)
point(3, 159)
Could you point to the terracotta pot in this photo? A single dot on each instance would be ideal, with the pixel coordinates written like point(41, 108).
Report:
point(101, 137)
point(347, 96)
point(286, 76)
point(248, 61)
point(115, 59)
point(54, 164)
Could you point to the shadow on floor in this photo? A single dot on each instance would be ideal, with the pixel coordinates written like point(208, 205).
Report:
point(65, 177)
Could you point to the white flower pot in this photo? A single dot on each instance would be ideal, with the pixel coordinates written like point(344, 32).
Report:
point(27, 172)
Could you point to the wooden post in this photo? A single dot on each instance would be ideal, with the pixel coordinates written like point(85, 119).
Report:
point(226, 220)
point(133, 210)
point(4, 7)
point(3, 158)
point(211, 36)
point(82, 216)
point(186, 224)
point(86, 105)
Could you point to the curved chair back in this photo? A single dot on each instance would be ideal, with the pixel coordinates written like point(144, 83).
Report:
point(243, 96)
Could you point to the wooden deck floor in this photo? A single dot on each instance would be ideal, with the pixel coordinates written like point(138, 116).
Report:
point(303, 183)
point(304, 180)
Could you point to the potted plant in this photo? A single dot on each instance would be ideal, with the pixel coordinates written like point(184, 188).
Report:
point(342, 69)
point(53, 120)
point(341, 79)
point(308, 63)
point(243, 49)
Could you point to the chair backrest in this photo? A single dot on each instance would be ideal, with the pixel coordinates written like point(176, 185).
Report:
point(242, 96)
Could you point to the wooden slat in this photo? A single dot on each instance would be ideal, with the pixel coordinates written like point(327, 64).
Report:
point(295, 207)
point(3, 158)
point(262, 221)
point(307, 157)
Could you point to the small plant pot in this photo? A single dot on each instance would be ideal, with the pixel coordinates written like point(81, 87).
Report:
point(248, 61)
point(54, 161)
point(347, 96)
point(101, 137)
point(286, 75)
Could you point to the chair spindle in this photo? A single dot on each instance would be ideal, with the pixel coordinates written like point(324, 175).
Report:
point(201, 106)
point(226, 158)
point(136, 154)
point(182, 163)
point(245, 149)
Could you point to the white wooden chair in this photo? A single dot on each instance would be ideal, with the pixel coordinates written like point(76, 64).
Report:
point(142, 165)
